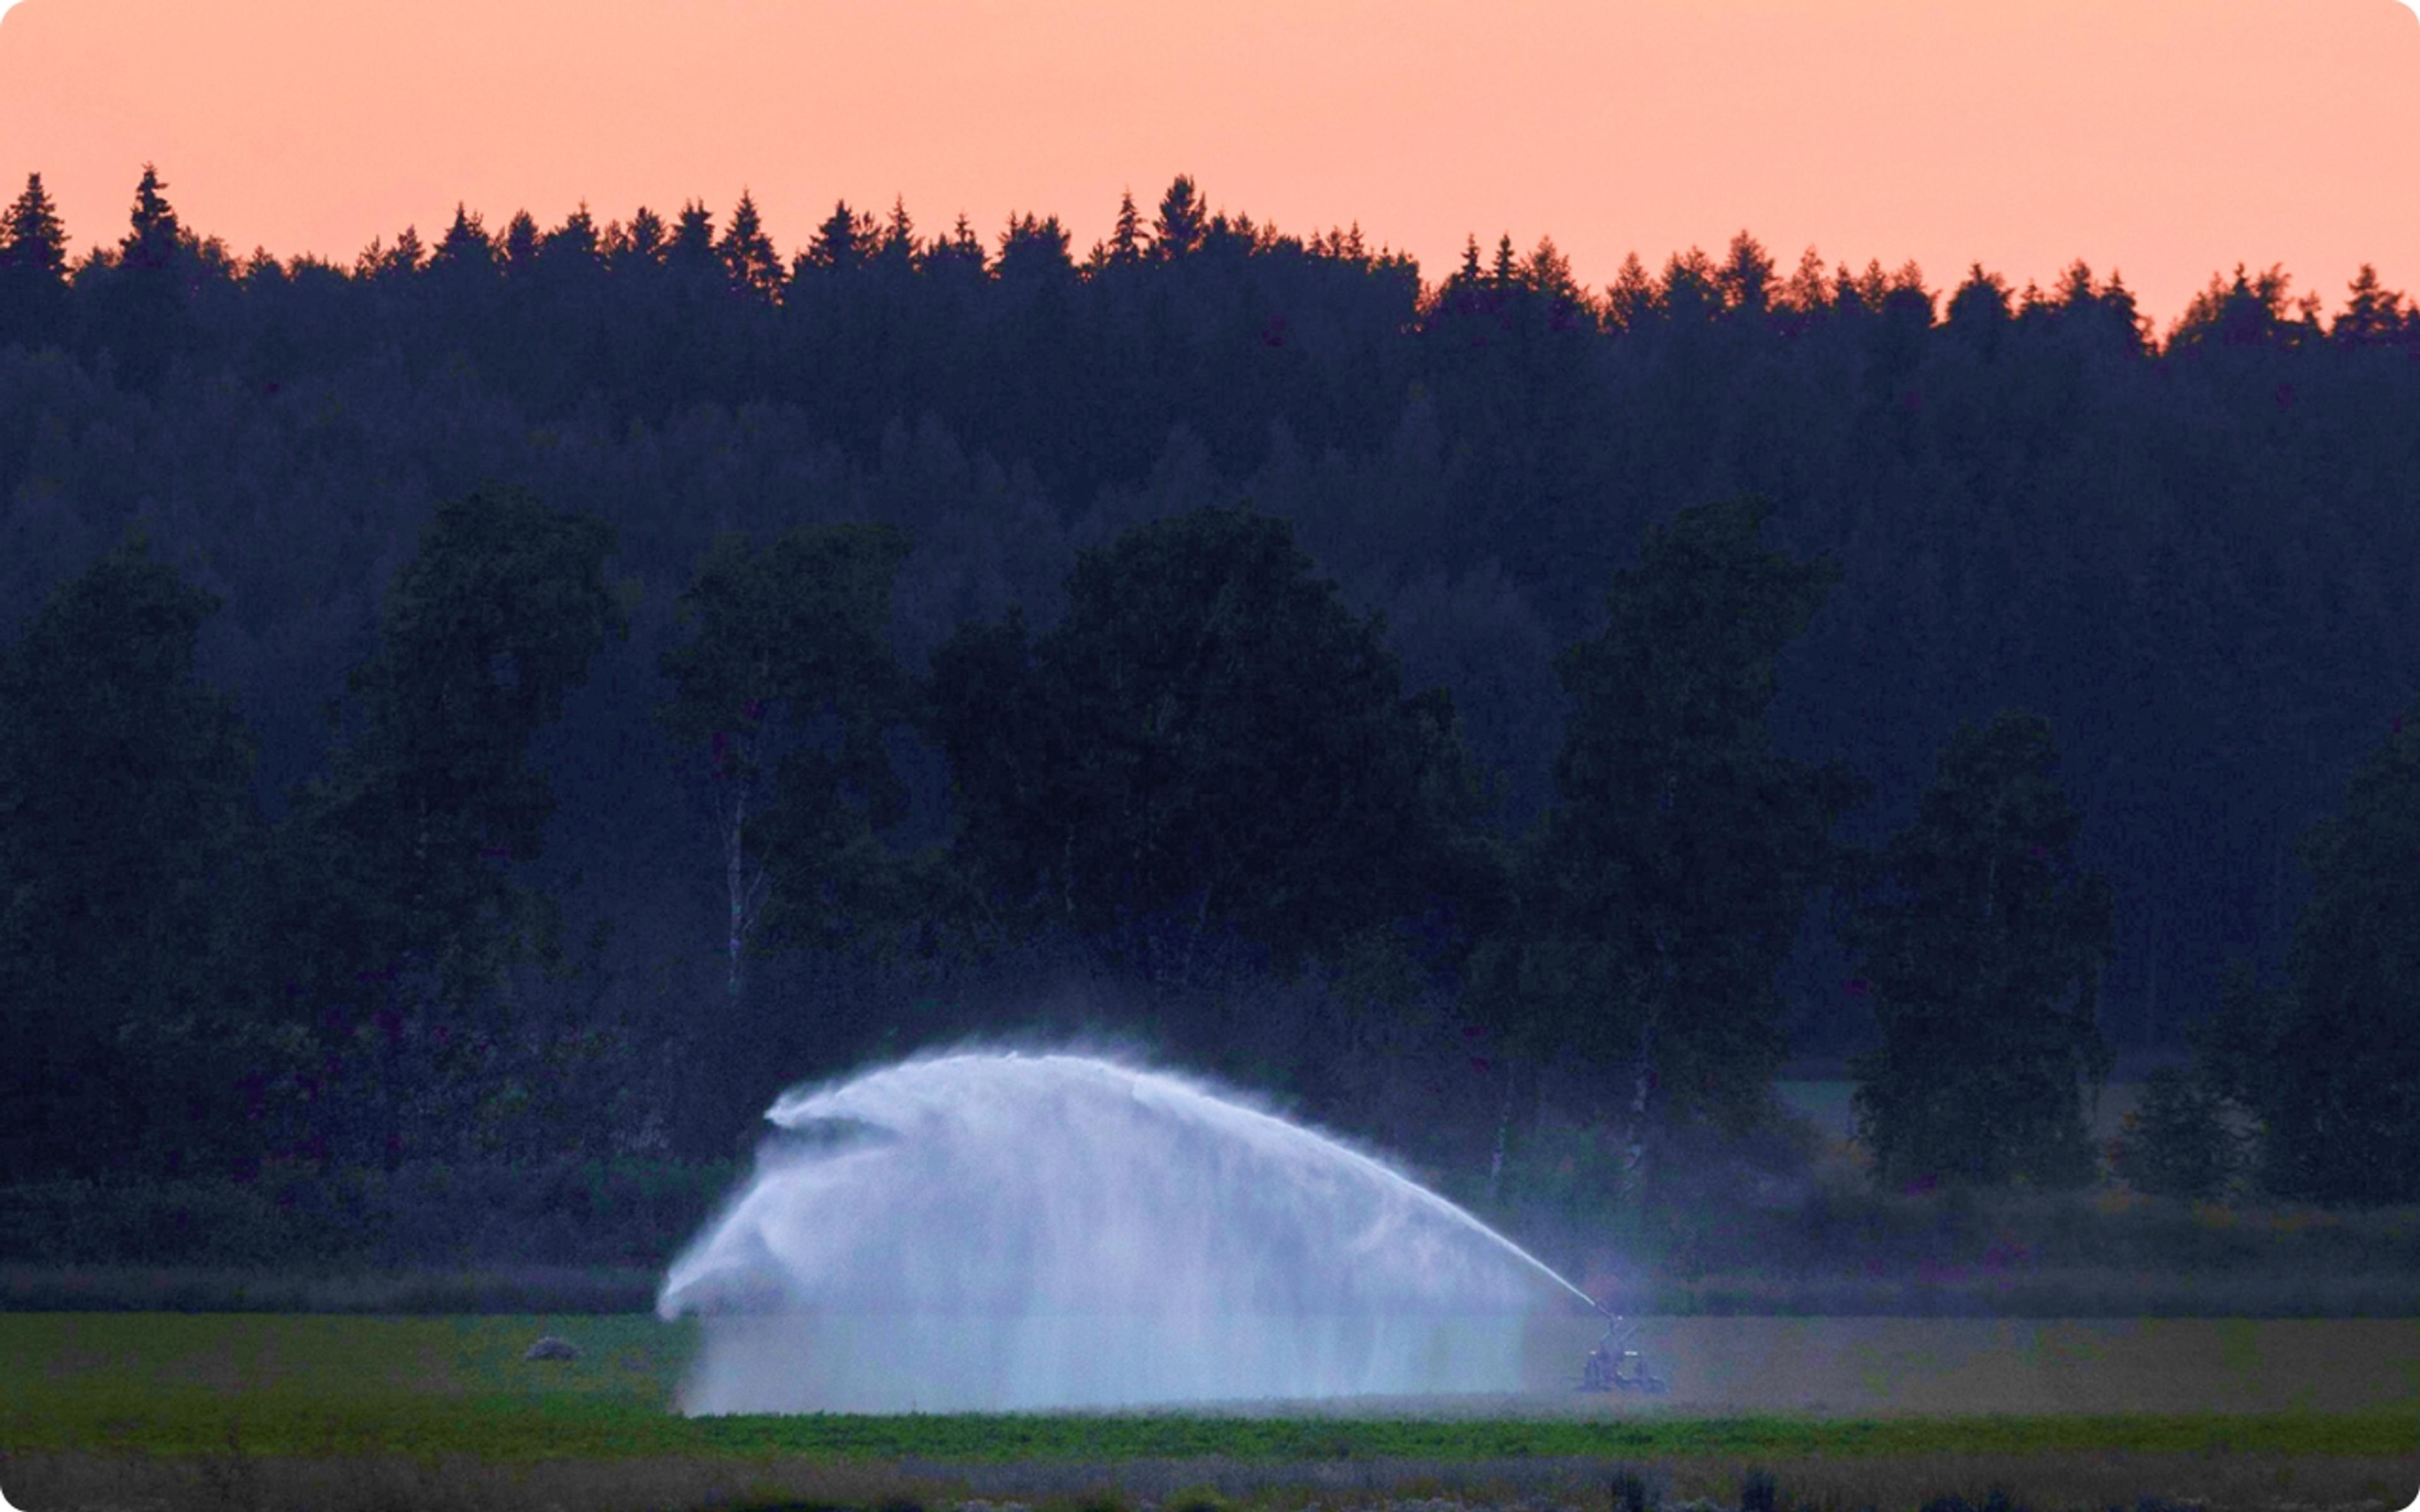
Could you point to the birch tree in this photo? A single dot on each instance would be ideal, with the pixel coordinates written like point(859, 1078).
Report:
point(786, 690)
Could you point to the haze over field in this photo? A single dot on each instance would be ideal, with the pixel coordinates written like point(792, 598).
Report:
point(2166, 139)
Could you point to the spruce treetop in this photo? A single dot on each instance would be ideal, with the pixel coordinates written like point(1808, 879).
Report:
point(31, 233)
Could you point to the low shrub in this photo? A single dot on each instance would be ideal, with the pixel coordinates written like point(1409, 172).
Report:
point(1995, 1500)
point(2181, 1142)
point(1631, 1489)
point(1758, 1492)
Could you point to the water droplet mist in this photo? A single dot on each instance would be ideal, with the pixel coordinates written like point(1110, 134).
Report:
point(988, 1232)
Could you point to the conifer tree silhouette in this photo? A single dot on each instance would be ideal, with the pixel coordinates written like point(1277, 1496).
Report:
point(897, 247)
point(1806, 293)
point(140, 316)
point(960, 251)
point(520, 245)
point(2372, 313)
point(844, 241)
point(692, 254)
point(748, 256)
point(574, 243)
point(154, 240)
point(1978, 311)
point(1547, 271)
point(643, 241)
point(1747, 277)
point(400, 261)
point(1632, 299)
point(409, 251)
point(1506, 270)
point(1032, 247)
point(1126, 240)
point(464, 250)
point(32, 237)
point(33, 266)
point(1178, 229)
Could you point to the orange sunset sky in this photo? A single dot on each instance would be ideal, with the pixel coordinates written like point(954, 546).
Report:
point(2166, 138)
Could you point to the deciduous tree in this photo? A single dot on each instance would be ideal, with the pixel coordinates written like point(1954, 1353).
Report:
point(1209, 742)
point(2330, 1065)
point(128, 833)
point(1666, 885)
point(1980, 944)
point(396, 866)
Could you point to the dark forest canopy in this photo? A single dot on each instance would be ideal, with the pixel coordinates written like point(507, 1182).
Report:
point(2196, 555)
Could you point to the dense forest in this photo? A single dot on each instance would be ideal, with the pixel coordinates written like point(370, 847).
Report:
point(546, 689)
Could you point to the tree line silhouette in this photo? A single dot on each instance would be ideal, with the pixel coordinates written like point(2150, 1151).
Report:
point(551, 688)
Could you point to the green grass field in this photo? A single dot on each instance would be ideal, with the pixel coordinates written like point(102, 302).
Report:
point(182, 1403)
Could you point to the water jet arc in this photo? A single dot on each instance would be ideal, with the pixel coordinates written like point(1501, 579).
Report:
point(996, 1232)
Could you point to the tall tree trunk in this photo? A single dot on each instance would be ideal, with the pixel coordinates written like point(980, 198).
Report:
point(735, 864)
point(1634, 1158)
point(1503, 1133)
point(744, 890)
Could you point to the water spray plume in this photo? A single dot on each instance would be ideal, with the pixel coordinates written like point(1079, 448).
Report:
point(998, 1232)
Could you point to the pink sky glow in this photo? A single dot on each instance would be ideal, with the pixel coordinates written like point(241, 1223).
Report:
point(2169, 139)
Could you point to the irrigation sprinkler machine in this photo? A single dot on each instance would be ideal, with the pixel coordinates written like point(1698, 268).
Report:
point(1614, 1365)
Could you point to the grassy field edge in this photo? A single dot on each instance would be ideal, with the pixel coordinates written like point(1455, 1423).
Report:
point(1704, 1483)
point(509, 1431)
